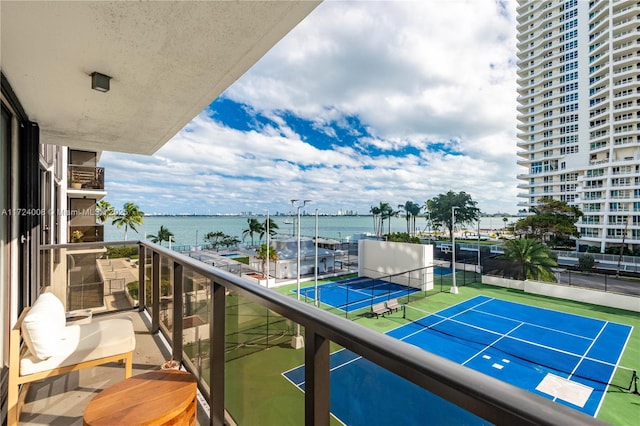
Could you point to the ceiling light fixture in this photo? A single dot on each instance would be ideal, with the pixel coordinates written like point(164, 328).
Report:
point(100, 82)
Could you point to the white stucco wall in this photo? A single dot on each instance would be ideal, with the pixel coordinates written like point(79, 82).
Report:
point(401, 263)
point(584, 295)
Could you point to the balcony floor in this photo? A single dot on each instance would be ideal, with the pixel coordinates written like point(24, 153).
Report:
point(61, 400)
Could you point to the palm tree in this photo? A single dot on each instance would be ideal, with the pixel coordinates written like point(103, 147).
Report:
point(536, 258)
point(411, 211)
point(386, 212)
point(163, 235)
point(104, 211)
point(380, 214)
point(263, 252)
point(255, 227)
point(375, 211)
point(130, 216)
point(272, 226)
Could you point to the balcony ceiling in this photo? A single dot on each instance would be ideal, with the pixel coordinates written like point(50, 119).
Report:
point(168, 60)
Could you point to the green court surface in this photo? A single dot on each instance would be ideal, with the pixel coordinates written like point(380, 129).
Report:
point(257, 393)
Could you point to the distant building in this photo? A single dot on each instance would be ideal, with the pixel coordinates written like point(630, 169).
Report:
point(579, 113)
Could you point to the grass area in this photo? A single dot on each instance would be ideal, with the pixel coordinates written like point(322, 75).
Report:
point(257, 393)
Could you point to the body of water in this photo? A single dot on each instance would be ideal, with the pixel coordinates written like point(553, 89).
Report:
point(190, 230)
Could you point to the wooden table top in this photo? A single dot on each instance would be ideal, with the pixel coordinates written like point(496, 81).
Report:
point(148, 398)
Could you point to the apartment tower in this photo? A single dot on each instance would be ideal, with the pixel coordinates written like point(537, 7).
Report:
point(579, 113)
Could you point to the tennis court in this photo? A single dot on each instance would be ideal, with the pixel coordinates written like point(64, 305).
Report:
point(567, 358)
point(356, 293)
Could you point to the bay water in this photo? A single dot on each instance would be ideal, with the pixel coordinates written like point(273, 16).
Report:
point(190, 230)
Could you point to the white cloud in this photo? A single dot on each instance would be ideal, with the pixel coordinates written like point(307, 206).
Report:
point(414, 73)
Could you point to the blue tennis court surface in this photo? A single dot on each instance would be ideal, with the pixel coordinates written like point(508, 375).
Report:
point(563, 357)
point(356, 293)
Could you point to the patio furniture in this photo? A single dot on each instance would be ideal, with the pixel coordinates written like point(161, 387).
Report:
point(51, 347)
point(161, 397)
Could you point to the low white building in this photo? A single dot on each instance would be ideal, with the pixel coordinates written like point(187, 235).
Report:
point(287, 264)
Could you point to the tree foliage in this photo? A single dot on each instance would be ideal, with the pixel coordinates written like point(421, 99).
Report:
point(255, 228)
point(381, 213)
point(411, 211)
point(129, 217)
point(551, 218)
point(215, 238)
point(586, 262)
point(229, 241)
point(271, 225)
point(440, 209)
point(403, 237)
point(104, 211)
point(265, 252)
point(163, 235)
point(536, 258)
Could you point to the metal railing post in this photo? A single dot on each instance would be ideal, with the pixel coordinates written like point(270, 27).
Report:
point(317, 382)
point(142, 267)
point(217, 354)
point(155, 291)
point(178, 308)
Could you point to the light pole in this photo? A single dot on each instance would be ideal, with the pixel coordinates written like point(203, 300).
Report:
point(297, 341)
point(454, 288)
point(268, 249)
point(479, 266)
point(315, 287)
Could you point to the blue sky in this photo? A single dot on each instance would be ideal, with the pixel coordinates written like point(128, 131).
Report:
point(362, 102)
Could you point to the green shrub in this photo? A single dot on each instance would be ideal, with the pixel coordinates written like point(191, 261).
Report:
point(403, 237)
point(122, 251)
point(133, 289)
point(586, 262)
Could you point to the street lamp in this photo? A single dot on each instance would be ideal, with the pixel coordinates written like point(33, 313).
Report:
point(454, 288)
point(315, 287)
point(479, 265)
point(268, 249)
point(297, 341)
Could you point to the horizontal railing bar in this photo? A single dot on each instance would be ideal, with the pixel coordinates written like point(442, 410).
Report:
point(485, 396)
point(88, 245)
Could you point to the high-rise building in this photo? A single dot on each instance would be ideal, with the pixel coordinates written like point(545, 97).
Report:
point(579, 113)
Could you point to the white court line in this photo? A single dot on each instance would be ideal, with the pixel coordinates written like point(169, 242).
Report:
point(494, 342)
point(558, 350)
point(536, 325)
point(445, 318)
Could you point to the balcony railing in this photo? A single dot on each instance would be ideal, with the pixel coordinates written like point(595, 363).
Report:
point(86, 234)
point(86, 177)
point(215, 321)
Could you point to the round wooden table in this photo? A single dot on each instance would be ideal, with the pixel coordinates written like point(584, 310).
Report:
point(160, 397)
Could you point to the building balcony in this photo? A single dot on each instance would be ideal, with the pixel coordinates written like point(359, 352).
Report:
point(86, 178)
point(86, 234)
point(236, 338)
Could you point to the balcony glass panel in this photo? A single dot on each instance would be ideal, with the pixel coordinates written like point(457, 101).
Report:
point(102, 278)
point(166, 293)
point(148, 295)
point(257, 351)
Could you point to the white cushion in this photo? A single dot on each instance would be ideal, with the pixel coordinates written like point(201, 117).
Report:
point(43, 326)
point(85, 342)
